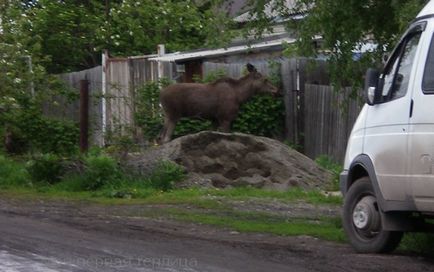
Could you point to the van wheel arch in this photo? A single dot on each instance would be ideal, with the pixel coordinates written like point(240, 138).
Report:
point(358, 171)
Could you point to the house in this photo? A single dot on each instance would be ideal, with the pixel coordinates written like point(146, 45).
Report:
point(191, 64)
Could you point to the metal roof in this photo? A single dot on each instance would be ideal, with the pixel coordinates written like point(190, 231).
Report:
point(185, 56)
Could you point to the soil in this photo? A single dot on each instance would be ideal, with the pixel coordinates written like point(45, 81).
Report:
point(215, 159)
point(47, 235)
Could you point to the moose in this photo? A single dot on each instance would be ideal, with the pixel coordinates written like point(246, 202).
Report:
point(218, 101)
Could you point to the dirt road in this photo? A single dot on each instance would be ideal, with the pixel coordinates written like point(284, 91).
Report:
point(70, 236)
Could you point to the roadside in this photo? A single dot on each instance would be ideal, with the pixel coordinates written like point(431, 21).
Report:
point(245, 239)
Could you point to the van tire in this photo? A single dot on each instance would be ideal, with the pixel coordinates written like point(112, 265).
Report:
point(362, 220)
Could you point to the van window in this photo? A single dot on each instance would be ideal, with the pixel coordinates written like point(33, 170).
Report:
point(397, 78)
point(428, 75)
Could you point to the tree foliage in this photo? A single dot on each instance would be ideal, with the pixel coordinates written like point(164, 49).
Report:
point(343, 26)
point(25, 87)
point(67, 31)
point(136, 27)
point(72, 34)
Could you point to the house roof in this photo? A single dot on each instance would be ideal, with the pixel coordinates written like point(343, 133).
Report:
point(212, 53)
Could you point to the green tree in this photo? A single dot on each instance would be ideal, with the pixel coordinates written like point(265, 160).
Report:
point(343, 26)
point(25, 87)
point(67, 31)
point(136, 27)
point(72, 34)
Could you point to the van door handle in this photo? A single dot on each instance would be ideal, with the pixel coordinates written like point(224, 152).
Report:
point(411, 108)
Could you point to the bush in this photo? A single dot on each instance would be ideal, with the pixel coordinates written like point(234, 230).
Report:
point(46, 168)
point(165, 175)
point(13, 173)
point(31, 131)
point(336, 169)
point(148, 115)
point(100, 170)
point(187, 126)
point(262, 115)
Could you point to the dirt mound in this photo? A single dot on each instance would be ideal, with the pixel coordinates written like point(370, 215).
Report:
point(233, 159)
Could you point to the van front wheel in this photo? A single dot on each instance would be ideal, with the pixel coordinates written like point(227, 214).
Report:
point(362, 221)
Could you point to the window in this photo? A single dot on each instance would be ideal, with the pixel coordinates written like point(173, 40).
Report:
point(428, 75)
point(397, 73)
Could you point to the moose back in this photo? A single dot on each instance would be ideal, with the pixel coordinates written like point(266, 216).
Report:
point(218, 101)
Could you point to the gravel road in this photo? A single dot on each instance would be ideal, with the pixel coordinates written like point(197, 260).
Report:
point(72, 236)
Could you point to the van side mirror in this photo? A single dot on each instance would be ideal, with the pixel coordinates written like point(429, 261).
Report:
point(372, 88)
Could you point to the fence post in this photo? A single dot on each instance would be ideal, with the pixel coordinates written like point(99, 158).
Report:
point(161, 51)
point(104, 91)
point(84, 115)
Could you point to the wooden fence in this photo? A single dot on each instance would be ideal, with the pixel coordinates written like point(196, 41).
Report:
point(112, 100)
point(65, 109)
point(328, 119)
point(317, 119)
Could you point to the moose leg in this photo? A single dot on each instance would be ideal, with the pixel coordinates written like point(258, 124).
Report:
point(169, 127)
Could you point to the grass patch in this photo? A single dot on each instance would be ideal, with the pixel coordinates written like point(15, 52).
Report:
point(418, 243)
point(324, 228)
point(13, 173)
point(295, 194)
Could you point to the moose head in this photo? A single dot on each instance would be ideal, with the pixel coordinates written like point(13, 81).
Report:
point(260, 83)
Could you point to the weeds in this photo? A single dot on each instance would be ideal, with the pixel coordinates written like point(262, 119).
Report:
point(13, 174)
point(46, 168)
point(336, 169)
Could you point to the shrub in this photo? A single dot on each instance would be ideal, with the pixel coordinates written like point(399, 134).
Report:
point(13, 173)
point(165, 175)
point(187, 126)
point(46, 168)
point(262, 115)
point(99, 171)
point(148, 113)
point(31, 131)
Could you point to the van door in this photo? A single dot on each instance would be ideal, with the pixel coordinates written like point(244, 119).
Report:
point(387, 123)
point(421, 130)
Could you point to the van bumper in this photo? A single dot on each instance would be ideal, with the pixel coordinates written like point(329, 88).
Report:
point(343, 181)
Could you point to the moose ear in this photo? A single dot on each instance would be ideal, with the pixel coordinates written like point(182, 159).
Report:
point(250, 68)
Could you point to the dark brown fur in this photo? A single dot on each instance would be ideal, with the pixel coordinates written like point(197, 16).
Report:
point(218, 101)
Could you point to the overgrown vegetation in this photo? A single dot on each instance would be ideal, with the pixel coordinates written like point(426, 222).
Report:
point(31, 131)
point(13, 174)
point(335, 168)
point(97, 173)
point(148, 113)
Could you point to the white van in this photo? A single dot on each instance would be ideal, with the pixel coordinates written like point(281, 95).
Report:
point(388, 181)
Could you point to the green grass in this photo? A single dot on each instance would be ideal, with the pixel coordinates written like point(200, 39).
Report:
point(294, 194)
point(325, 228)
point(335, 168)
point(13, 173)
